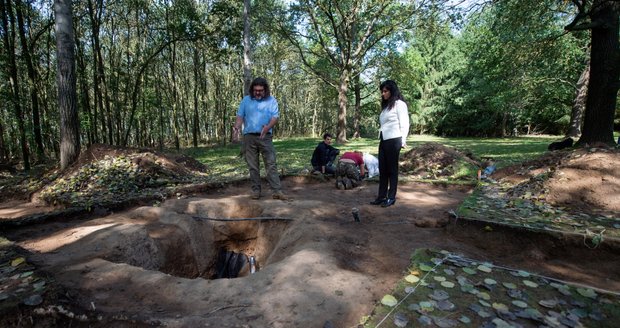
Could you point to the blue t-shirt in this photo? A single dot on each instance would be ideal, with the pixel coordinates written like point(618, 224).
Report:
point(257, 113)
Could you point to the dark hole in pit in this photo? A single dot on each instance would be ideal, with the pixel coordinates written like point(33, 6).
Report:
point(229, 264)
point(209, 248)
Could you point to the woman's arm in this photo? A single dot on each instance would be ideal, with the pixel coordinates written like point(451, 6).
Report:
point(403, 120)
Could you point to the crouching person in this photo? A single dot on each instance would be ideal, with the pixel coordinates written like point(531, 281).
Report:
point(350, 170)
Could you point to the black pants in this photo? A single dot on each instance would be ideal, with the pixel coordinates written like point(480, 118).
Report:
point(389, 151)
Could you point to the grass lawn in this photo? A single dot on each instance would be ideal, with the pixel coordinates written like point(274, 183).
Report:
point(294, 154)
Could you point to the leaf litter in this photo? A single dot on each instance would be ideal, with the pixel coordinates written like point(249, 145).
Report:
point(513, 302)
point(19, 283)
point(548, 194)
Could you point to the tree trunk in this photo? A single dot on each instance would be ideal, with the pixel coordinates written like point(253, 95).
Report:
point(504, 131)
point(32, 76)
point(67, 95)
point(579, 104)
point(598, 125)
point(358, 107)
point(342, 107)
point(99, 79)
point(196, 120)
point(9, 46)
point(84, 93)
point(247, 49)
point(4, 154)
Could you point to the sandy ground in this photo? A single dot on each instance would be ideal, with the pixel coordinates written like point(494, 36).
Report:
point(316, 264)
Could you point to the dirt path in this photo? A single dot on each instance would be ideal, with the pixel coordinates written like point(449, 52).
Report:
point(315, 263)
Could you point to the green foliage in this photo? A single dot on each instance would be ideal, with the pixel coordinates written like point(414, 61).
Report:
point(509, 71)
point(293, 154)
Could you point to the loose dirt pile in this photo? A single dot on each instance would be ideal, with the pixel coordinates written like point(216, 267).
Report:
point(104, 173)
point(433, 160)
point(584, 180)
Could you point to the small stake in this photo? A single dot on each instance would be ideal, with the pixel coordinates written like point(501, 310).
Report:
point(356, 214)
point(252, 265)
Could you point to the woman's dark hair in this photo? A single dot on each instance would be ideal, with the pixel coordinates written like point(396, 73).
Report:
point(262, 82)
point(327, 135)
point(394, 94)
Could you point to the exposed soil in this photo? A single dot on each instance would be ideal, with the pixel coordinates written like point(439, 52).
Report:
point(584, 180)
point(432, 160)
point(152, 265)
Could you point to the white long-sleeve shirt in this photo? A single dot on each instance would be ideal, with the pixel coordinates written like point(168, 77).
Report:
point(395, 122)
point(372, 164)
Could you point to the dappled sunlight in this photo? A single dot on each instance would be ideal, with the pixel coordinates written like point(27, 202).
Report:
point(14, 209)
point(293, 154)
point(66, 237)
point(160, 263)
point(576, 272)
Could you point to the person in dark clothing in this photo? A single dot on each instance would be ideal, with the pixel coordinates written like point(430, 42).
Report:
point(324, 156)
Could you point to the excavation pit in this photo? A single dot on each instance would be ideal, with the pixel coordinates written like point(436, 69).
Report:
point(321, 266)
point(200, 239)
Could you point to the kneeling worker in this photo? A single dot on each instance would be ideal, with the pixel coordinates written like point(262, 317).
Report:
point(350, 170)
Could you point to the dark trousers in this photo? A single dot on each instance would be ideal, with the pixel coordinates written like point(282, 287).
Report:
point(389, 151)
point(253, 145)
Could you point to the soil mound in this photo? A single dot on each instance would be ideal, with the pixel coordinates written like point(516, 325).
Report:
point(585, 179)
point(433, 160)
point(180, 164)
point(103, 172)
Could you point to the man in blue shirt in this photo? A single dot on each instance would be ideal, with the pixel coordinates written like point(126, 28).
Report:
point(258, 113)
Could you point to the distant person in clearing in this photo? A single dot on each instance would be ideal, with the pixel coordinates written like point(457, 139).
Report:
point(259, 113)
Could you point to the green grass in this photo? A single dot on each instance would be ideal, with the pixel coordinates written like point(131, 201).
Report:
point(504, 151)
point(294, 154)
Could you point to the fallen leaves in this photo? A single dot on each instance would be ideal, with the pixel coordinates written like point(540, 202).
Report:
point(494, 296)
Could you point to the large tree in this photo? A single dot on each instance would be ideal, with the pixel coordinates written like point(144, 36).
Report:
point(67, 95)
point(8, 38)
point(341, 34)
point(601, 17)
point(247, 49)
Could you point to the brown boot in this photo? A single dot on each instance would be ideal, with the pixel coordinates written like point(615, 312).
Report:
point(279, 195)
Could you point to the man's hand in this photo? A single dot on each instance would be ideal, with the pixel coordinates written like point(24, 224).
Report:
point(235, 136)
point(264, 131)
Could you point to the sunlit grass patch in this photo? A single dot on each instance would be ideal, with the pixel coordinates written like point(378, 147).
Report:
point(294, 154)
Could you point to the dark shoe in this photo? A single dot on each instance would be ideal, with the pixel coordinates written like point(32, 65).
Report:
point(279, 195)
point(388, 202)
point(347, 183)
point(377, 201)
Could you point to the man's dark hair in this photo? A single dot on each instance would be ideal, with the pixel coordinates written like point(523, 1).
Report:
point(394, 94)
point(327, 135)
point(262, 82)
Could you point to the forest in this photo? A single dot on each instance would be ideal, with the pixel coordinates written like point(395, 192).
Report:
point(170, 74)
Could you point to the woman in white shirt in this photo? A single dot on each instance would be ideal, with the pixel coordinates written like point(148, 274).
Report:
point(393, 133)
